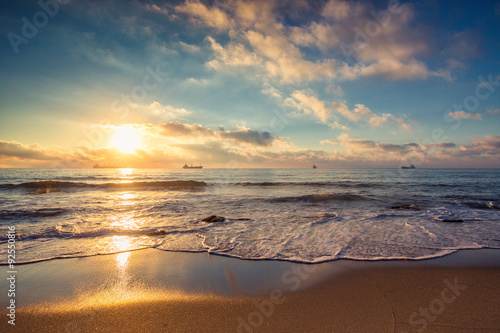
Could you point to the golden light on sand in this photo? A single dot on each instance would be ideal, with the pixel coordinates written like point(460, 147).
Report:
point(126, 139)
point(121, 243)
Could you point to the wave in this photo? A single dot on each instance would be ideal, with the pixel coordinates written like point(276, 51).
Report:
point(47, 186)
point(58, 233)
point(43, 212)
point(312, 184)
point(483, 205)
point(313, 198)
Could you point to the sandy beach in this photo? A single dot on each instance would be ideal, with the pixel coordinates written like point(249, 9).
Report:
point(156, 291)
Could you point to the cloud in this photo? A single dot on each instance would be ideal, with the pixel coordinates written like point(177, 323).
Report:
point(442, 145)
point(189, 48)
point(337, 9)
point(328, 112)
point(309, 105)
point(465, 115)
point(233, 55)
point(383, 44)
point(166, 112)
point(336, 90)
point(337, 125)
point(272, 91)
point(395, 69)
point(215, 151)
point(494, 112)
point(482, 152)
point(212, 17)
point(241, 135)
point(26, 152)
point(258, 37)
point(462, 45)
point(258, 41)
point(156, 8)
point(489, 142)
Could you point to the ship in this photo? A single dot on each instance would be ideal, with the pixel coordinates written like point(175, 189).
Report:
point(109, 166)
point(408, 167)
point(192, 166)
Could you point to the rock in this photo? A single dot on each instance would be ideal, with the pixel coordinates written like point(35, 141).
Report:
point(452, 220)
point(158, 232)
point(214, 218)
point(411, 207)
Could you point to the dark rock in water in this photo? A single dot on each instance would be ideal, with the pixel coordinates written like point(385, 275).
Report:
point(214, 218)
point(452, 220)
point(412, 207)
point(158, 232)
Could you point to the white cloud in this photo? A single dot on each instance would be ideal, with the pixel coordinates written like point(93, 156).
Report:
point(465, 115)
point(212, 17)
point(158, 9)
point(259, 38)
point(336, 90)
point(338, 9)
point(309, 105)
point(189, 48)
point(233, 55)
point(158, 108)
point(494, 112)
point(327, 112)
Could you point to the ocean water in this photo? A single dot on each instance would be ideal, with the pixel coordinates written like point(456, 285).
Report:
point(304, 215)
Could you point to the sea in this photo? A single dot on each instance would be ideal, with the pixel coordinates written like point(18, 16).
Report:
point(300, 215)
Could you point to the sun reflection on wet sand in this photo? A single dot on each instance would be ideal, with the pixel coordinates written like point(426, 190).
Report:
point(121, 243)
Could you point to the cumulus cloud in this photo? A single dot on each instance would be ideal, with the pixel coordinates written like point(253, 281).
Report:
point(166, 112)
point(241, 135)
point(338, 9)
point(384, 45)
point(233, 55)
point(212, 17)
point(442, 145)
point(465, 115)
point(158, 9)
point(489, 142)
point(26, 152)
point(309, 105)
point(494, 112)
point(327, 112)
point(189, 47)
point(347, 140)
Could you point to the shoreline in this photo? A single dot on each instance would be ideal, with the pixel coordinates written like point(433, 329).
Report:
point(423, 259)
point(131, 290)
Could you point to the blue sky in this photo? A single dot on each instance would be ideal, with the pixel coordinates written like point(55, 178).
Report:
point(250, 83)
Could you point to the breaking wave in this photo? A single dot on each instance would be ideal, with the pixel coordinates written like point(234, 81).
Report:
point(47, 186)
point(313, 198)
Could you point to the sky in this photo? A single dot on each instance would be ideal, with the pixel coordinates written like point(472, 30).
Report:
point(259, 84)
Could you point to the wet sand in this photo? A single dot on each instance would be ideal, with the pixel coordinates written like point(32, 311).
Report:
point(155, 291)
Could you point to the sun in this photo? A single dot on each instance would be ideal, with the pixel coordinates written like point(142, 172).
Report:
point(126, 139)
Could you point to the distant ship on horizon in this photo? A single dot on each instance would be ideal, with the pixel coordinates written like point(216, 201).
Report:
point(109, 166)
point(192, 166)
point(408, 167)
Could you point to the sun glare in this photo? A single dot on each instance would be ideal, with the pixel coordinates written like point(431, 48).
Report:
point(126, 139)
